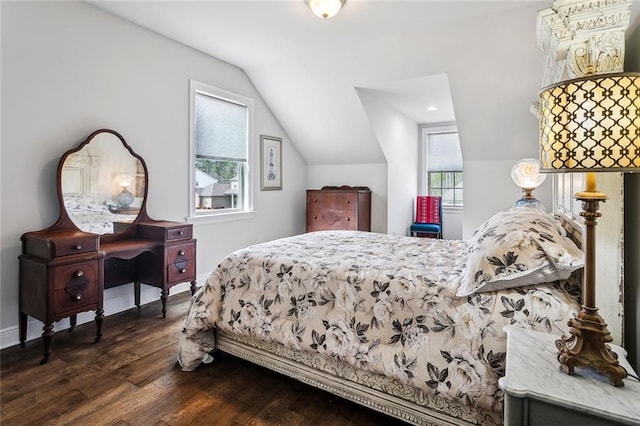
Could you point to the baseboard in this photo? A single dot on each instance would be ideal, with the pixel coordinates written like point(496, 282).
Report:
point(117, 299)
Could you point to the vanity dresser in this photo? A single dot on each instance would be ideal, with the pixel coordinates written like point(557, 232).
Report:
point(339, 208)
point(103, 238)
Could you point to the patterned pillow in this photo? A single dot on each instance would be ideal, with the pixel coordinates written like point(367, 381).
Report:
point(518, 247)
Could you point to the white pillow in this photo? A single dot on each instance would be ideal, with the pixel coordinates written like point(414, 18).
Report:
point(518, 247)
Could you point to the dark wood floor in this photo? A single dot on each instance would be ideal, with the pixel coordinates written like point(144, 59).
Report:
point(131, 378)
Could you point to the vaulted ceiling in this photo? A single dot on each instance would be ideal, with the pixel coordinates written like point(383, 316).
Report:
point(476, 61)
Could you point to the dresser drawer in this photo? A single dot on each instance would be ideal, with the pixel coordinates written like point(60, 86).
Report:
point(76, 297)
point(165, 231)
point(179, 233)
point(54, 245)
point(181, 252)
point(75, 273)
point(180, 271)
point(333, 200)
point(331, 220)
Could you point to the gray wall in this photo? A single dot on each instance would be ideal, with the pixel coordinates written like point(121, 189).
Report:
point(632, 231)
point(68, 69)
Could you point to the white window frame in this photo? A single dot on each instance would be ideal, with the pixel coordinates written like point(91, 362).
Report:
point(425, 131)
point(246, 212)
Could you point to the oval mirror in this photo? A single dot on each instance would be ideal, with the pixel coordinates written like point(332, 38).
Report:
point(102, 184)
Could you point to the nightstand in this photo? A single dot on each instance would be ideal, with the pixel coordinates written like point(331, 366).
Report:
point(538, 393)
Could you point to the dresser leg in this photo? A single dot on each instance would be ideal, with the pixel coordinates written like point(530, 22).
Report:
point(193, 287)
point(46, 338)
point(136, 293)
point(23, 328)
point(164, 295)
point(99, 318)
point(73, 320)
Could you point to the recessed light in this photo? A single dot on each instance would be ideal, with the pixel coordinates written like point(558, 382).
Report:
point(432, 108)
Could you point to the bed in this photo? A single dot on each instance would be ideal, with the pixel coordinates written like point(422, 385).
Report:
point(91, 216)
point(411, 327)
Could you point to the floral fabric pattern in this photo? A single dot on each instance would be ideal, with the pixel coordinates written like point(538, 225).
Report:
point(382, 303)
point(91, 216)
point(516, 247)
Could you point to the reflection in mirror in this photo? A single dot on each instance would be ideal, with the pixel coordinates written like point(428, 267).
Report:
point(102, 184)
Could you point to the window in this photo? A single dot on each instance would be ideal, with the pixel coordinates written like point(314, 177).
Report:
point(448, 185)
point(442, 165)
point(220, 146)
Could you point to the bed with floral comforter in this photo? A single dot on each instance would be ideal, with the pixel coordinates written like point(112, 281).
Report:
point(92, 216)
point(418, 319)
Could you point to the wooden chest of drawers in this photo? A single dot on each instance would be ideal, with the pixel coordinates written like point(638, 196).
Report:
point(339, 208)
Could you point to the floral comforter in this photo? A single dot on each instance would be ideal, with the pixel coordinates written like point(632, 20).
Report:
point(382, 303)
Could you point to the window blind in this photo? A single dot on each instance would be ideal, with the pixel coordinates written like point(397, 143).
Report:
point(221, 129)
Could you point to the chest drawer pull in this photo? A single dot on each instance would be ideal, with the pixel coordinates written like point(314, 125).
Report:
point(77, 297)
point(78, 274)
point(181, 253)
point(182, 270)
point(348, 219)
point(78, 247)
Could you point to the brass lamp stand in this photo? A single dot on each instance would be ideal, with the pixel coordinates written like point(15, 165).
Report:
point(587, 346)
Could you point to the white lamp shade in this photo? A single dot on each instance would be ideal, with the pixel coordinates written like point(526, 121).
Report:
point(526, 173)
point(124, 180)
point(325, 8)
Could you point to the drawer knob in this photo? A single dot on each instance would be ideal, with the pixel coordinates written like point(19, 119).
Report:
point(315, 217)
point(348, 219)
point(348, 202)
point(180, 232)
point(78, 247)
point(78, 274)
point(181, 253)
point(182, 270)
point(77, 297)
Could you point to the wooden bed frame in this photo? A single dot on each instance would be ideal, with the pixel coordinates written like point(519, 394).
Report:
point(371, 390)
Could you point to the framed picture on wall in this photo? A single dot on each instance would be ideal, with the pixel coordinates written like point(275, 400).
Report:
point(271, 163)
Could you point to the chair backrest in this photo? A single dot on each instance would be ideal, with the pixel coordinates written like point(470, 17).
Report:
point(428, 209)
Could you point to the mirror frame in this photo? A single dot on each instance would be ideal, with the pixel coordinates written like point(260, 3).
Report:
point(64, 220)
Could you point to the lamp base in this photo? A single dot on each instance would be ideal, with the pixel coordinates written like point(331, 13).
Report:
point(587, 347)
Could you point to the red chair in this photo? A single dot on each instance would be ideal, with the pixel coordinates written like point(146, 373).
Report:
point(428, 221)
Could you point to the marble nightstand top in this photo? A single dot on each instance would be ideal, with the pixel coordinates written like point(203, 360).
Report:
point(533, 372)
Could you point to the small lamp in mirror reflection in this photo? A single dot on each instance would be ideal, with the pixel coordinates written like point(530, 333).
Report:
point(124, 198)
point(526, 175)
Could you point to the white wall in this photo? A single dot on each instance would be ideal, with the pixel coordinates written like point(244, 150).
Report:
point(632, 230)
point(68, 69)
point(398, 137)
point(452, 219)
point(488, 188)
point(372, 175)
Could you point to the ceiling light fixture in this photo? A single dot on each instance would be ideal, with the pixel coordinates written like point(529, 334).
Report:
point(432, 108)
point(325, 8)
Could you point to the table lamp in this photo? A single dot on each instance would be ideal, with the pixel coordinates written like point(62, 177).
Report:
point(590, 124)
point(125, 197)
point(526, 175)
